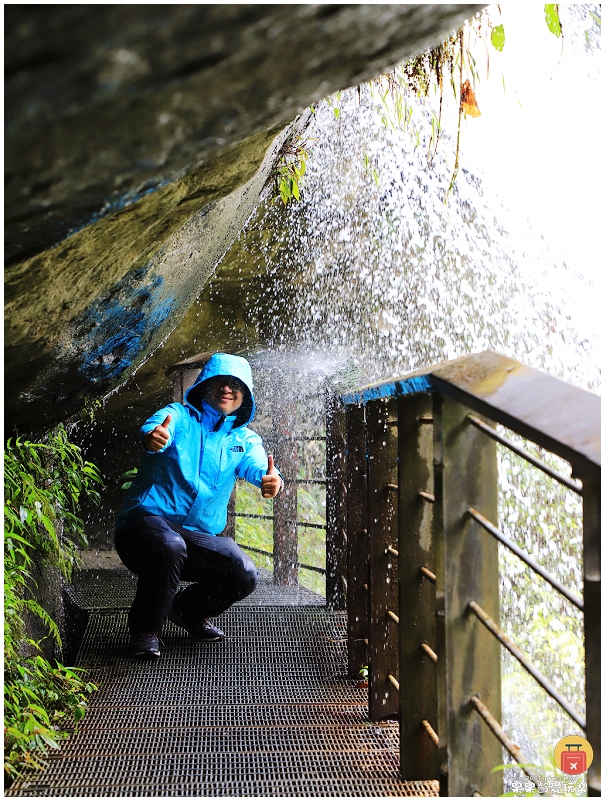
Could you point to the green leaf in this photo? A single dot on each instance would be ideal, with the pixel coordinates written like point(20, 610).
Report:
point(337, 113)
point(295, 190)
point(50, 742)
point(552, 18)
point(126, 485)
point(497, 38)
point(513, 766)
point(131, 473)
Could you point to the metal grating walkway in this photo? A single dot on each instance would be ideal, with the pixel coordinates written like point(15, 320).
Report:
point(103, 589)
point(267, 712)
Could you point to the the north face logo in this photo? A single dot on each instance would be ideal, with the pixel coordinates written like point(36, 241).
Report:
point(237, 449)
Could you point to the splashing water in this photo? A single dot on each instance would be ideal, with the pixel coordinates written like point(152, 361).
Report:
point(378, 271)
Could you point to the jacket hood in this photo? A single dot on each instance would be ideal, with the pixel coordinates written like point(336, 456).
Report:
point(225, 364)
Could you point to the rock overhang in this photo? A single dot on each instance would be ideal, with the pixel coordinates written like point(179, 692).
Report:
point(132, 133)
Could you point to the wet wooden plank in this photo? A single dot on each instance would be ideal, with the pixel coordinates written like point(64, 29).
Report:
point(592, 626)
point(382, 451)
point(555, 414)
point(417, 594)
point(358, 540)
point(469, 658)
point(336, 535)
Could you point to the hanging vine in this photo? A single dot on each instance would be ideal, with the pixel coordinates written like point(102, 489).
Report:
point(449, 65)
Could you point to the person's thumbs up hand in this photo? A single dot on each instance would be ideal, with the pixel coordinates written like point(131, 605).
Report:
point(271, 481)
point(158, 438)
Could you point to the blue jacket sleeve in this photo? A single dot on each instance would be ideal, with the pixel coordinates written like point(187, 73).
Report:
point(254, 464)
point(157, 419)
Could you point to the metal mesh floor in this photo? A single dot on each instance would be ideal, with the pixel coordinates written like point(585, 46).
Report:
point(267, 712)
point(97, 589)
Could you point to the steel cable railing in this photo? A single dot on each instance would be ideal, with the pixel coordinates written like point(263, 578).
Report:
point(527, 559)
point(298, 523)
point(575, 486)
point(489, 623)
point(429, 487)
point(538, 676)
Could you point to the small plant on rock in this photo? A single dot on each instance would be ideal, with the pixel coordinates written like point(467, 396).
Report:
point(290, 172)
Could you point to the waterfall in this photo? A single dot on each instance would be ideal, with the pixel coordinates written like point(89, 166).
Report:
point(380, 270)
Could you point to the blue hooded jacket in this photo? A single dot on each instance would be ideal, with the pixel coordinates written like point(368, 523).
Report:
point(190, 480)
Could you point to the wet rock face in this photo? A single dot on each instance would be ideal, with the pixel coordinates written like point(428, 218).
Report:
point(132, 134)
point(80, 317)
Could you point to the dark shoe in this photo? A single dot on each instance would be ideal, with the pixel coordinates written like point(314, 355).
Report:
point(145, 645)
point(201, 630)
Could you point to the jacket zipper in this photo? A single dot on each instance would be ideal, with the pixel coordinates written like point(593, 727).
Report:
point(219, 423)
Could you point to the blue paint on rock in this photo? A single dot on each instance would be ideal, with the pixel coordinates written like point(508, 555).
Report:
point(113, 332)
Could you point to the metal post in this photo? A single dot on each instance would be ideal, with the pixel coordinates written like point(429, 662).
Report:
point(417, 594)
point(382, 449)
point(188, 378)
point(177, 384)
point(591, 498)
point(358, 540)
point(285, 531)
point(182, 377)
point(465, 465)
point(230, 526)
point(336, 536)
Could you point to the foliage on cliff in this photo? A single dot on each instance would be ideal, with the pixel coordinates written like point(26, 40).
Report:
point(44, 483)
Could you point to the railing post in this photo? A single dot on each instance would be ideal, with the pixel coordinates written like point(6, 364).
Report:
point(230, 525)
point(177, 385)
point(336, 536)
point(382, 449)
point(469, 659)
point(285, 530)
point(591, 502)
point(358, 540)
point(184, 373)
point(417, 594)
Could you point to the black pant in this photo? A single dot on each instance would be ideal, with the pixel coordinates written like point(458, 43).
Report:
point(162, 553)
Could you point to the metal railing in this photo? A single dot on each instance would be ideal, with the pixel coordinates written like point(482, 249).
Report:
point(422, 550)
point(285, 540)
